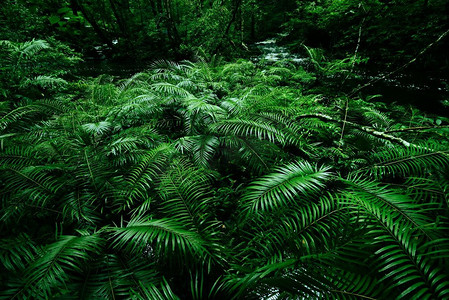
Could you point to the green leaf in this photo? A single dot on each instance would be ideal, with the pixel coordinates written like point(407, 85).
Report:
point(282, 187)
point(54, 19)
point(63, 10)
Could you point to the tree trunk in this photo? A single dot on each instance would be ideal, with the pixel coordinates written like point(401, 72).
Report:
point(228, 27)
point(171, 26)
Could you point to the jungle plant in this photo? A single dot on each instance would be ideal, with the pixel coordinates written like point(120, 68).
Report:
point(195, 181)
point(32, 67)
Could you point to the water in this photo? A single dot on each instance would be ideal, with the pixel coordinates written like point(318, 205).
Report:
point(272, 52)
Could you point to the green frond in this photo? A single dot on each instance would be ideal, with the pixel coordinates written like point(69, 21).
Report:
point(426, 190)
point(396, 230)
point(98, 128)
point(43, 81)
point(103, 92)
point(136, 80)
point(16, 253)
point(185, 195)
point(280, 280)
point(248, 128)
point(200, 288)
point(200, 106)
point(162, 292)
point(137, 110)
point(163, 236)
point(346, 285)
point(131, 145)
point(15, 115)
point(169, 89)
point(313, 227)
point(252, 154)
point(120, 276)
point(372, 196)
point(233, 106)
point(202, 148)
point(403, 265)
point(142, 177)
point(283, 186)
point(401, 161)
point(377, 119)
point(31, 48)
point(160, 66)
point(19, 156)
point(34, 185)
point(55, 265)
point(79, 207)
point(53, 106)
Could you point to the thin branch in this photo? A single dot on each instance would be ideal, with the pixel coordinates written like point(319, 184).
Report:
point(347, 76)
point(416, 128)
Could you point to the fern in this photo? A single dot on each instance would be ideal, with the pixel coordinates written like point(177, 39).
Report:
point(282, 187)
point(248, 128)
point(165, 236)
point(409, 161)
point(234, 181)
point(51, 270)
point(146, 172)
point(184, 194)
point(44, 82)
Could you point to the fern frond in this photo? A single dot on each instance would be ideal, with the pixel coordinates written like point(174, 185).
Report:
point(252, 154)
point(162, 292)
point(31, 48)
point(16, 115)
point(374, 196)
point(98, 128)
point(202, 148)
point(313, 227)
point(16, 253)
point(165, 236)
point(402, 161)
point(282, 187)
point(248, 128)
point(53, 269)
point(18, 156)
point(35, 184)
point(170, 89)
point(142, 176)
point(400, 261)
point(43, 81)
point(185, 195)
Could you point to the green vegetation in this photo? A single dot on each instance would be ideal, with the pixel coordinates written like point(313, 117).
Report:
point(214, 179)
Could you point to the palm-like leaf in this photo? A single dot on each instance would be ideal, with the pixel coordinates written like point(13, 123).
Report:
point(143, 175)
point(409, 161)
point(185, 195)
point(57, 261)
point(282, 187)
point(248, 128)
point(164, 236)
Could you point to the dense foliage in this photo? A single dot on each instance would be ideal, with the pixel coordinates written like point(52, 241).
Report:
point(222, 171)
point(216, 181)
point(389, 32)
